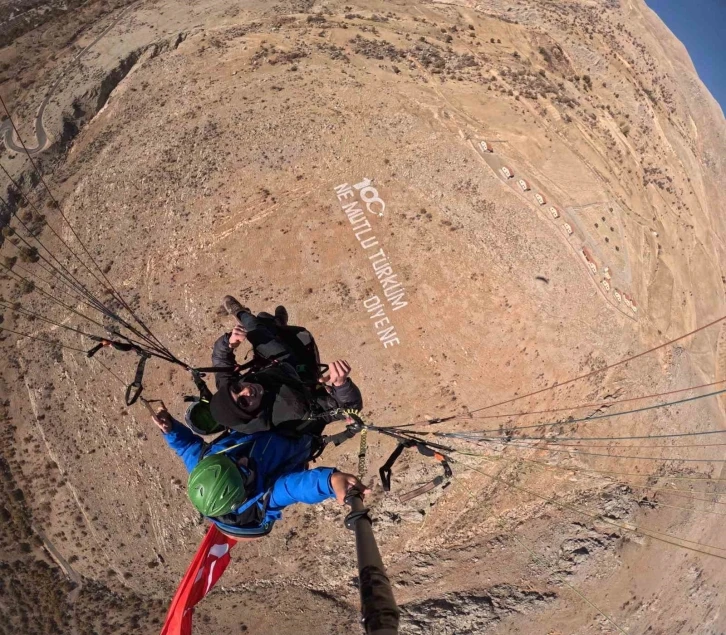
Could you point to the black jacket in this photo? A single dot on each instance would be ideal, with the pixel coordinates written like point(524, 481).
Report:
point(289, 404)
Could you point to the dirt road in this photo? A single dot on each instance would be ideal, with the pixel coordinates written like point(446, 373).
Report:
point(41, 142)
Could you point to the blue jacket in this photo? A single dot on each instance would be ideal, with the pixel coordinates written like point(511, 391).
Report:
point(280, 479)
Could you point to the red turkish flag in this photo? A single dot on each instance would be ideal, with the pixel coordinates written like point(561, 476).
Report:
point(207, 567)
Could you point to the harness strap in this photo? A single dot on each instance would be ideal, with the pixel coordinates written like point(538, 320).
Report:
point(248, 503)
point(224, 369)
point(245, 532)
point(204, 393)
point(91, 352)
point(232, 447)
point(341, 437)
point(119, 346)
point(206, 446)
point(386, 470)
point(362, 450)
point(421, 490)
point(133, 391)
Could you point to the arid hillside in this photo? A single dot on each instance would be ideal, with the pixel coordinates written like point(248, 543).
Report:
point(540, 186)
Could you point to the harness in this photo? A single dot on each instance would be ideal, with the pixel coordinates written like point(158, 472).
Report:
point(302, 348)
point(244, 532)
point(247, 521)
point(299, 371)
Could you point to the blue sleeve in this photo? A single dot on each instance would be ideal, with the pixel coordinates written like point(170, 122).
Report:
point(185, 443)
point(310, 486)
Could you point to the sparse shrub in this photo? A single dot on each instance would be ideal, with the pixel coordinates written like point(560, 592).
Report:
point(29, 254)
point(26, 286)
point(36, 225)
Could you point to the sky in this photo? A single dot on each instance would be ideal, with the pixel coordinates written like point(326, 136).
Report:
point(701, 26)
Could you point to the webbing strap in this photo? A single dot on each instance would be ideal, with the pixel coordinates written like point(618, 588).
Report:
point(421, 490)
point(362, 450)
point(204, 393)
point(341, 437)
point(386, 470)
point(119, 346)
point(237, 368)
point(133, 391)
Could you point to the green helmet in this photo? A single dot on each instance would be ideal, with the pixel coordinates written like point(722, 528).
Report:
point(199, 418)
point(216, 486)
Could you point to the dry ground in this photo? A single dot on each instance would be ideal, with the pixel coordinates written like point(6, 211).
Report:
point(196, 150)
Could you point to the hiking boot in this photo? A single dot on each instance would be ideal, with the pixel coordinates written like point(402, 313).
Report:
point(281, 315)
point(233, 306)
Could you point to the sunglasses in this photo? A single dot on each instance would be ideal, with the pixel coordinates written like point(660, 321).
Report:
point(245, 401)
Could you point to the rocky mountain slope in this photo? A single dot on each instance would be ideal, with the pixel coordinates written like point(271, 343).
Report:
point(206, 148)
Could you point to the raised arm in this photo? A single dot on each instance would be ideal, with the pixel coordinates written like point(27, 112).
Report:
point(223, 354)
point(348, 395)
point(342, 391)
point(180, 439)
